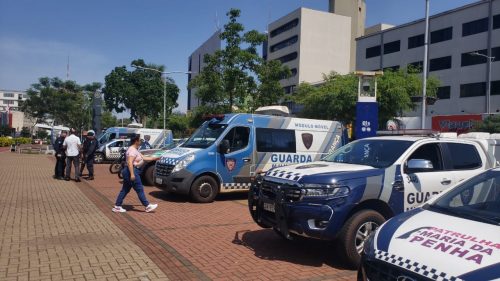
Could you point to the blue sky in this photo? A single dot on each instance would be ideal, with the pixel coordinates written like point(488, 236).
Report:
point(37, 36)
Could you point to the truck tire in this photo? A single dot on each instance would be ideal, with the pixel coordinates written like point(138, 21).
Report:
point(149, 175)
point(354, 233)
point(98, 158)
point(204, 189)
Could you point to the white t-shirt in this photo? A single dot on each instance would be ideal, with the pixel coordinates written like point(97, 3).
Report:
point(71, 144)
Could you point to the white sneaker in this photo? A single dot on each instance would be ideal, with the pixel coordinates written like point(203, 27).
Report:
point(151, 207)
point(118, 209)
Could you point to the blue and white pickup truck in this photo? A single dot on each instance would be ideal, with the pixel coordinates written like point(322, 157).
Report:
point(352, 191)
point(455, 236)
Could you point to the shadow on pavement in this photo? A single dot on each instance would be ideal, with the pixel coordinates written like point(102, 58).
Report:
point(267, 245)
point(173, 197)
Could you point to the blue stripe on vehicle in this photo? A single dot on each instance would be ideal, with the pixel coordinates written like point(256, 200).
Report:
point(386, 232)
point(397, 200)
point(490, 272)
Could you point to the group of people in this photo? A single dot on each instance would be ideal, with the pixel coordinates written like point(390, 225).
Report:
point(70, 150)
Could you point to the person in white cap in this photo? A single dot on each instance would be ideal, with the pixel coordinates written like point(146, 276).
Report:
point(89, 149)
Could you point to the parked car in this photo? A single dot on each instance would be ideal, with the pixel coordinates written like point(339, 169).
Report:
point(110, 151)
point(455, 236)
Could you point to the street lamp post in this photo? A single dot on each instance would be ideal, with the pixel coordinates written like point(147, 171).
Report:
point(488, 85)
point(424, 70)
point(164, 76)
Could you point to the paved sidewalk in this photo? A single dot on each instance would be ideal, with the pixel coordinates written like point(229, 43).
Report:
point(49, 230)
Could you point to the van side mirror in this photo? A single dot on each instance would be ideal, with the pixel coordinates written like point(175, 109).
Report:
point(224, 147)
point(419, 165)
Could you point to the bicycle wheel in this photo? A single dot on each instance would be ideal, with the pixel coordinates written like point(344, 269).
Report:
point(115, 167)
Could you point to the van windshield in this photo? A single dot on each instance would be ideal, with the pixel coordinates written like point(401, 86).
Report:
point(371, 152)
point(205, 136)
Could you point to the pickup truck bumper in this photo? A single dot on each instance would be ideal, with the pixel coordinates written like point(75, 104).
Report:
point(277, 209)
point(178, 182)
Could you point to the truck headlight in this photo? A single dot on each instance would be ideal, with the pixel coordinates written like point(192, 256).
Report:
point(324, 191)
point(183, 163)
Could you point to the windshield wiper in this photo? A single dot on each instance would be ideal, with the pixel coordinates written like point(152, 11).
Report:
point(462, 214)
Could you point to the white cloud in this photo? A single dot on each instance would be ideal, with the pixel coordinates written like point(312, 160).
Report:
point(23, 61)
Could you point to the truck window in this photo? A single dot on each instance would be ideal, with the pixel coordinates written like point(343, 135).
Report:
point(205, 136)
point(464, 156)
point(238, 138)
point(275, 140)
point(431, 152)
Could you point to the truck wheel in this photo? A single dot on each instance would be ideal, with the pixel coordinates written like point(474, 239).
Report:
point(98, 158)
point(354, 234)
point(204, 189)
point(148, 175)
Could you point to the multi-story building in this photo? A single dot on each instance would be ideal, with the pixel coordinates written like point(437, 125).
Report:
point(10, 99)
point(196, 64)
point(456, 37)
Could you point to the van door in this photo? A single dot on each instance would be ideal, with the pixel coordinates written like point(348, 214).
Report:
point(420, 185)
point(114, 149)
point(234, 167)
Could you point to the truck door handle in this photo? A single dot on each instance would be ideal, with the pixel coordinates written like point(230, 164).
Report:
point(445, 181)
point(246, 160)
point(398, 185)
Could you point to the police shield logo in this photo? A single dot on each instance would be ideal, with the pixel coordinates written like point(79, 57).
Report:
point(307, 139)
point(230, 164)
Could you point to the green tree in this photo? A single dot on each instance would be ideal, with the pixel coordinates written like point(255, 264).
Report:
point(25, 132)
point(336, 98)
point(490, 124)
point(140, 91)
point(228, 79)
point(63, 102)
point(108, 119)
point(179, 124)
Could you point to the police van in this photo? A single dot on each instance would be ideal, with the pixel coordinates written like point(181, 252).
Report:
point(352, 191)
point(227, 151)
point(455, 236)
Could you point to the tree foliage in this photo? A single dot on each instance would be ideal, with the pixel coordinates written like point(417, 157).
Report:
point(336, 98)
point(490, 124)
point(108, 119)
point(236, 76)
point(63, 102)
point(140, 91)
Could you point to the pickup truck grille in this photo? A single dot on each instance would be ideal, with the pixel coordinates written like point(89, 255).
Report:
point(289, 193)
point(164, 170)
point(379, 270)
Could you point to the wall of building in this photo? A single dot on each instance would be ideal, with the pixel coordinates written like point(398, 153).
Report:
point(196, 64)
point(11, 98)
point(454, 75)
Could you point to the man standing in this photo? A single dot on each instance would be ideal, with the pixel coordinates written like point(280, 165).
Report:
point(145, 144)
point(72, 145)
point(60, 156)
point(89, 148)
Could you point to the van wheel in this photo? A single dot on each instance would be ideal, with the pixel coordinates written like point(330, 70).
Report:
point(148, 175)
point(98, 158)
point(204, 189)
point(354, 234)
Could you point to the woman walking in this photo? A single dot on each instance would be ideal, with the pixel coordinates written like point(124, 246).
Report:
point(132, 176)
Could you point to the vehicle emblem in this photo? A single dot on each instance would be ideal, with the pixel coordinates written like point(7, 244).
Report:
point(307, 139)
point(230, 164)
point(405, 278)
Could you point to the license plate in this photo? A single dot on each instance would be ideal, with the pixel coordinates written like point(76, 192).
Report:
point(159, 181)
point(269, 207)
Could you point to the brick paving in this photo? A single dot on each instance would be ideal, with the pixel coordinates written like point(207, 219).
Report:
point(49, 230)
point(57, 230)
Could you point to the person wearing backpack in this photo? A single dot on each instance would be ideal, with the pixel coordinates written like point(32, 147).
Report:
point(89, 148)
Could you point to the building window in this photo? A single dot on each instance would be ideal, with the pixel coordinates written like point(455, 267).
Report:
point(416, 41)
point(289, 89)
point(473, 90)
point(440, 63)
point(373, 52)
point(474, 27)
point(8, 95)
point(287, 58)
point(293, 72)
point(8, 102)
point(495, 87)
point(391, 68)
point(392, 47)
point(416, 66)
point(287, 26)
point(469, 59)
point(285, 43)
point(496, 21)
point(442, 35)
point(443, 93)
